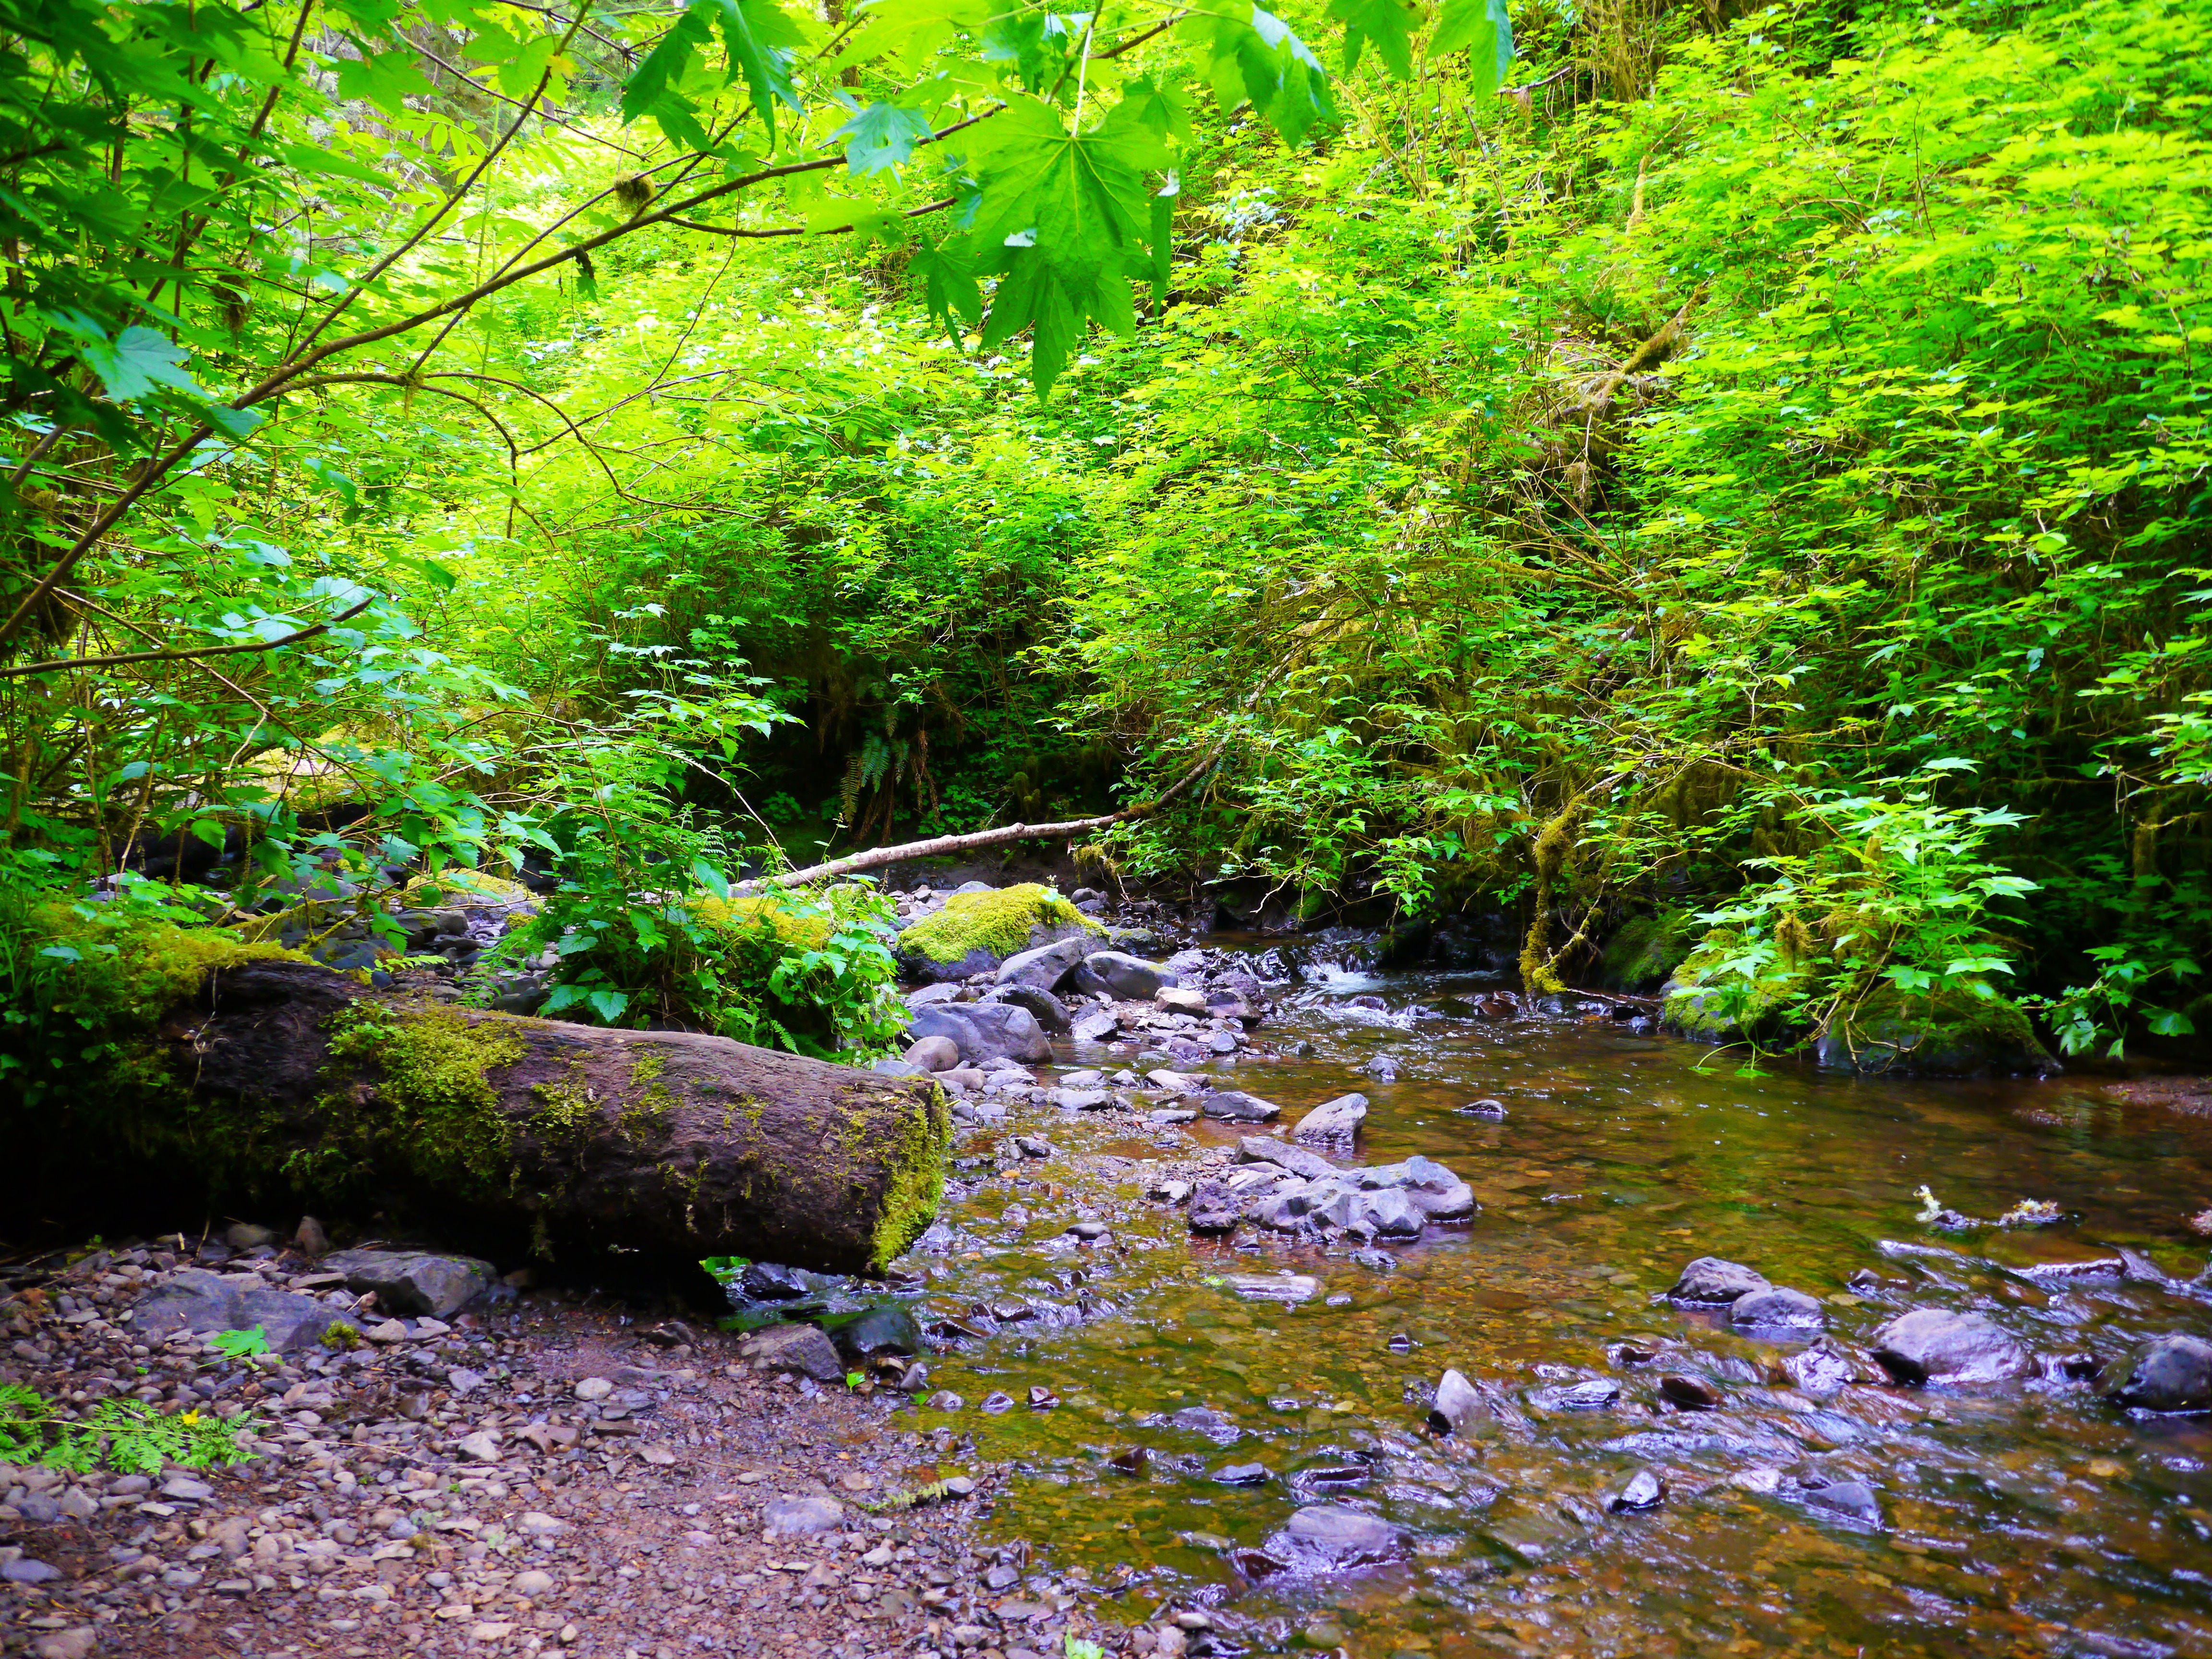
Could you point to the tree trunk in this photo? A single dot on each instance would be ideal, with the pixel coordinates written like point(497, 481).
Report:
point(662, 1145)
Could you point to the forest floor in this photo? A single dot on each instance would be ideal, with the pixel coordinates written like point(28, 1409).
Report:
point(416, 1497)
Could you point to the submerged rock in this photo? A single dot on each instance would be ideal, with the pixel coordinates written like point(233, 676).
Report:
point(1645, 1491)
point(1930, 1345)
point(1333, 1538)
point(1854, 1499)
point(1778, 1309)
point(2172, 1374)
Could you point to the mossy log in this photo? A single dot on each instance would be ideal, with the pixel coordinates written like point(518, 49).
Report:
point(669, 1146)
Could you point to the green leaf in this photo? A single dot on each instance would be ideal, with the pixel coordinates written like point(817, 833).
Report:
point(387, 79)
point(1388, 23)
point(710, 879)
point(237, 1345)
point(949, 287)
point(650, 86)
point(1485, 31)
point(607, 1004)
point(135, 362)
point(757, 35)
point(881, 137)
point(309, 159)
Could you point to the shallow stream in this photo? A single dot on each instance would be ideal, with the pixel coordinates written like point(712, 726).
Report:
point(2029, 1517)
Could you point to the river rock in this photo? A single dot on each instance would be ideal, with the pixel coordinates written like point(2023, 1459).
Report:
point(1098, 1025)
point(1047, 1010)
point(1778, 1309)
point(1117, 973)
point(1045, 966)
point(1260, 1149)
point(1852, 1497)
point(1215, 1209)
point(1458, 1405)
point(1930, 1345)
point(1692, 1394)
point(413, 1284)
point(2172, 1374)
point(801, 1514)
point(1337, 1120)
point(984, 1030)
point(886, 1328)
point(1645, 1491)
point(933, 1054)
point(202, 1302)
point(1333, 1538)
point(1235, 1106)
point(793, 1351)
point(1709, 1281)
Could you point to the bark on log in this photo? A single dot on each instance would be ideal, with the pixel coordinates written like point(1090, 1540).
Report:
point(671, 1144)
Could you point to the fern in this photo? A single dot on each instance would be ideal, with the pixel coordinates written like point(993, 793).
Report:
point(127, 1435)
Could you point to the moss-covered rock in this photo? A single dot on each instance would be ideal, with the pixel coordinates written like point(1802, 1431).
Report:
point(469, 889)
point(1644, 950)
point(1957, 1030)
point(974, 932)
point(1707, 1004)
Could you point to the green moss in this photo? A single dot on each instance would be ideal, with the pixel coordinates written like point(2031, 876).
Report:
point(1954, 1031)
point(464, 887)
point(434, 1086)
point(1711, 1007)
point(999, 923)
point(917, 1184)
point(749, 917)
point(1645, 950)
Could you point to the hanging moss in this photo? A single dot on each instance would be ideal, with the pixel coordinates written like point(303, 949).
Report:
point(1709, 1005)
point(1644, 950)
point(998, 923)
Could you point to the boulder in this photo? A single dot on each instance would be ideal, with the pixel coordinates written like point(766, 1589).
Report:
point(1709, 1281)
point(2172, 1374)
point(1045, 966)
point(1047, 1010)
point(1951, 1032)
point(200, 1302)
point(1260, 1149)
point(1334, 1121)
point(1930, 1345)
point(983, 1030)
point(411, 1283)
point(887, 1328)
point(1778, 1309)
point(978, 929)
point(1706, 1002)
point(1118, 974)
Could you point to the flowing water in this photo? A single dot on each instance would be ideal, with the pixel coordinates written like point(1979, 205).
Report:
point(2029, 1517)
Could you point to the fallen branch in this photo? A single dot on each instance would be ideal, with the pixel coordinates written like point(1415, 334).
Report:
point(976, 841)
point(1652, 353)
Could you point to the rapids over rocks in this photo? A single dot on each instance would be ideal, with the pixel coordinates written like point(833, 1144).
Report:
point(1236, 1427)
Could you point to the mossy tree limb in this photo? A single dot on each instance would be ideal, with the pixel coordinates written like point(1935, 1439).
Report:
point(667, 1144)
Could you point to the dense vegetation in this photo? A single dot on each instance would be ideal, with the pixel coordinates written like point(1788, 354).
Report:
point(1743, 476)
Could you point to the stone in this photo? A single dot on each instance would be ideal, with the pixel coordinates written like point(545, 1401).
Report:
point(415, 1282)
point(202, 1303)
point(2170, 1374)
point(80, 1641)
point(532, 1585)
point(310, 1240)
point(793, 1351)
point(1490, 1110)
point(245, 1235)
point(984, 1030)
point(1243, 1474)
point(183, 1489)
point(1851, 1498)
point(1333, 1538)
point(1458, 1405)
point(800, 1514)
point(1711, 1282)
point(593, 1388)
point(1778, 1309)
point(1260, 1149)
point(1118, 974)
point(1930, 1345)
point(534, 1524)
point(78, 1504)
point(24, 1571)
point(1337, 1120)
point(461, 1380)
point(1045, 966)
point(1598, 1394)
point(1180, 999)
point(391, 1333)
point(1215, 1209)
point(289, 1321)
point(1096, 1026)
point(1234, 1106)
point(1274, 1287)
point(933, 1054)
point(1645, 1491)
point(771, 1281)
point(482, 1446)
point(1692, 1394)
point(1047, 1010)
point(885, 1328)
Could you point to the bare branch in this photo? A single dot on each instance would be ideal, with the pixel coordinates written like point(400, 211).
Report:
point(293, 638)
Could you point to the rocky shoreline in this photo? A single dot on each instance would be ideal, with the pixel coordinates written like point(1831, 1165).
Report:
point(536, 1473)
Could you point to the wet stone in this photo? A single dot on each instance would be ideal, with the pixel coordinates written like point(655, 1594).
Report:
point(2172, 1374)
point(1931, 1345)
point(1333, 1538)
point(1777, 1310)
point(1643, 1491)
point(1709, 1281)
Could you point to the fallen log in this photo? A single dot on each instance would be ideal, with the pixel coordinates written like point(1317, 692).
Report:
point(667, 1145)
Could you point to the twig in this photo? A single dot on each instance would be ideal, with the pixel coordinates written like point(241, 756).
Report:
point(178, 656)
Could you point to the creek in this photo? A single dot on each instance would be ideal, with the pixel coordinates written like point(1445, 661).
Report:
point(2031, 1516)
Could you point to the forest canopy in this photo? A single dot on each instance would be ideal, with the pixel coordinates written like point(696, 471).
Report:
point(1722, 478)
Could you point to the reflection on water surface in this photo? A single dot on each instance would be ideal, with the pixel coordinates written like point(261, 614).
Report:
point(2031, 1517)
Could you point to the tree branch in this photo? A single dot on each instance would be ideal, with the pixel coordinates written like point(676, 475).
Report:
point(178, 656)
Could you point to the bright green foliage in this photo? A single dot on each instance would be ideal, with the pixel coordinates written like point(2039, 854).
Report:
point(126, 1435)
point(238, 1345)
point(1000, 922)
